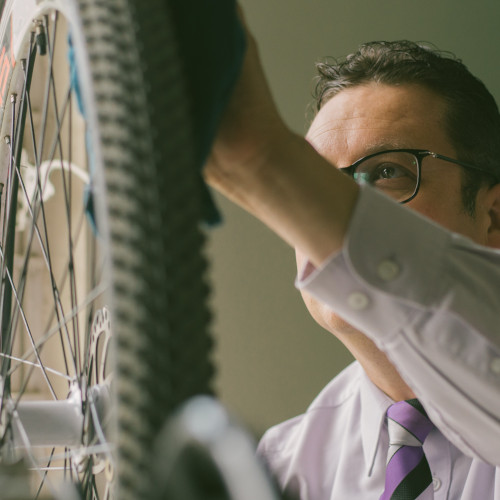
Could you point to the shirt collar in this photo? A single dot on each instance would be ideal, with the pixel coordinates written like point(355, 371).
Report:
point(374, 404)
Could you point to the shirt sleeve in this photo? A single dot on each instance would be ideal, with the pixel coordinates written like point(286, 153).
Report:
point(430, 299)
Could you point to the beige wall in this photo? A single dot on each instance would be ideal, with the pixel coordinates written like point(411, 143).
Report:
point(272, 359)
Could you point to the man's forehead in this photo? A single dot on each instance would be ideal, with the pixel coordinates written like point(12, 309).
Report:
point(381, 116)
point(325, 124)
point(376, 134)
point(373, 101)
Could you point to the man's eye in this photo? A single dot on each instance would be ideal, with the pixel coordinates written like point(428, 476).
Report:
point(387, 174)
point(389, 171)
point(394, 173)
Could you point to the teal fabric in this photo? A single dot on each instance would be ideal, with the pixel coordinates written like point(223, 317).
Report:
point(212, 46)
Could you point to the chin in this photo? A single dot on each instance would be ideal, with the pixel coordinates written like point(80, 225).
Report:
point(327, 318)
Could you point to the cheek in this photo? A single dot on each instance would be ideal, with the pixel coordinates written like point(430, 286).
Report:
point(447, 210)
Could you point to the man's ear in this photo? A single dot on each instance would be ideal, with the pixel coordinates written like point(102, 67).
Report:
point(493, 201)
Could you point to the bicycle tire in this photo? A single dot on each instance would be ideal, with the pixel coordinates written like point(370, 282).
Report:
point(145, 200)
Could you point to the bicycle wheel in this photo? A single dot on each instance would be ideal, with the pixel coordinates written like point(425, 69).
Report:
point(100, 245)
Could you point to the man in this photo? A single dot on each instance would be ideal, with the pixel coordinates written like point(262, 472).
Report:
point(414, 294)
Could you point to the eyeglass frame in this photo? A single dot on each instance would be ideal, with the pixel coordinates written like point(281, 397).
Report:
point(419, 154)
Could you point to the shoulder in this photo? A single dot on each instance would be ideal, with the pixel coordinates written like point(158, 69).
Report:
point(328, 415)
point(339, 390)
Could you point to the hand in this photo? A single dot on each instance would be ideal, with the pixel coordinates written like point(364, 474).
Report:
point(250, 133)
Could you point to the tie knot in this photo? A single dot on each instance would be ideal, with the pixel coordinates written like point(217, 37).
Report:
point(408, 423)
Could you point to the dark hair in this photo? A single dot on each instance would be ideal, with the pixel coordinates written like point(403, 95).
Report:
point(473, 120)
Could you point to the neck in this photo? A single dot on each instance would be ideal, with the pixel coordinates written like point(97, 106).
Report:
point(388, 380)
point(379, 369)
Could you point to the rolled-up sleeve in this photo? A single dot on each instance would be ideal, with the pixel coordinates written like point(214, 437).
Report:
point(430, 299)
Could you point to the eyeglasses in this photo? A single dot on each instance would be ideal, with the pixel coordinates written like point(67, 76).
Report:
point(396, 172)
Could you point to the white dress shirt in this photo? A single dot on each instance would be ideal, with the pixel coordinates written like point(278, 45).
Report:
point(430, 299)
point(337, 450)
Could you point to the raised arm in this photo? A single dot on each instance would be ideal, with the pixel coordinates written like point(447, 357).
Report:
point(261, 165)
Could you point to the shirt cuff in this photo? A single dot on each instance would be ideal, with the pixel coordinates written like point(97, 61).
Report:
point(379, 280)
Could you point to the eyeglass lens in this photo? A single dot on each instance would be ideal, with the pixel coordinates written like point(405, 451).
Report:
point(394, 173)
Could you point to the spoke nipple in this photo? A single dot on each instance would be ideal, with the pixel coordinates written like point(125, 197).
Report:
point(41, 39)
point(13, 98)
point(7, 139)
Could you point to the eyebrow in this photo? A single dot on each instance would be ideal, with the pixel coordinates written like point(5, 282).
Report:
point(385, 145)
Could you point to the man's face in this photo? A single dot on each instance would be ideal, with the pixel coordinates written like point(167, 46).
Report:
point(375, 117)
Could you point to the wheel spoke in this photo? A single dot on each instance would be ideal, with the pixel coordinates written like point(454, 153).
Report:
point(27, 328)
point(45, 247)
point(92, 296)
point(24, 270)
point(50, 47)
point(21, 361)
point(24, 437)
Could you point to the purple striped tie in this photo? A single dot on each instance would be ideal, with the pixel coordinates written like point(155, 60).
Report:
point(407, 475)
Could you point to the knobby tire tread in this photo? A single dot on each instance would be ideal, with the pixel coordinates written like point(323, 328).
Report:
point(163, 354)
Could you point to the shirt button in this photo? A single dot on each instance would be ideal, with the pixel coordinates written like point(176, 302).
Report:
point(455, 346)
point(388, 270)
point(358, 301)
point(436, 483)
point(495, 366)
